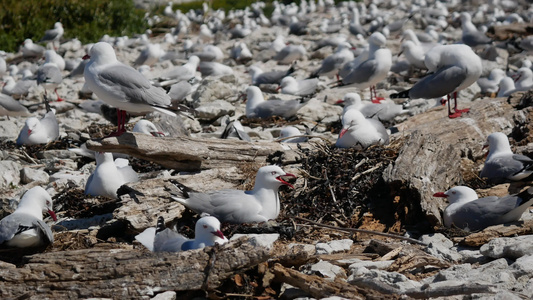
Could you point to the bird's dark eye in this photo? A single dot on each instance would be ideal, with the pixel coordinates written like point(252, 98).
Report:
point(454, 192)
point(273, 172)
point(205, 226)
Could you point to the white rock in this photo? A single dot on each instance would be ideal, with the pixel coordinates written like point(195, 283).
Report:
point(524, 266)
point(327, 269)
point(214, 110)
point(168, 295)
point(262, 240)
point(440, 247)
point(369, 264)
point(9, 173)
point(9, 130)
point(333, 246)
point(511, 247)
point(28, 175)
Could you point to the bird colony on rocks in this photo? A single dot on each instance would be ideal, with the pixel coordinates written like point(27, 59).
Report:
point(344, 115)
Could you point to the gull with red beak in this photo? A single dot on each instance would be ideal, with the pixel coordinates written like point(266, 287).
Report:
point(501, 163)
point(358, 131)
point(122, 86)
point(25, 226)
point(236, 206)
point(160, 239)
point(468, 212)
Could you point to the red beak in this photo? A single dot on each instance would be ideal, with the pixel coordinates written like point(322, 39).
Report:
point(440, 194)
point(342, 132)
point(279, 178)
point(86, 56)
point(219, 234)
point(53, 215)
point(339, 102)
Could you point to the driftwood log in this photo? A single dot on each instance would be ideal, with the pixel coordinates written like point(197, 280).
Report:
point(191, 154)
point(436, 147)
point(126, 274)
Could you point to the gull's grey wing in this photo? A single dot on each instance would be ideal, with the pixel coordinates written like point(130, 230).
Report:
point(270, 77)
point(476, 39)
point(361, 73)
point(132, 86)
point(45, 229)
point(168, 241)
point(12, 106)
point(232, 206)
point(484, 212)
point(283, 108)
point(17, 223)
point(49, 74)
point(49, 35)
point(502, 167)
point(441, 83)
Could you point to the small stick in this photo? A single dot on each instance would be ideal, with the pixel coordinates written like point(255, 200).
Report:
point(371, 232)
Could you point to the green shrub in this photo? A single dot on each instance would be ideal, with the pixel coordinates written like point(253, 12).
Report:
point(86, 20)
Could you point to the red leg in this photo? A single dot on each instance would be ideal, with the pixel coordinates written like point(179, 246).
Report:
point(456, 113)
point(456, 109)
point(59, 99)
point(375, 98)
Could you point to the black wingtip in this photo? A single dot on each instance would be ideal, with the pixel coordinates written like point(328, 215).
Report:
point(403, 94)
point(160, 225)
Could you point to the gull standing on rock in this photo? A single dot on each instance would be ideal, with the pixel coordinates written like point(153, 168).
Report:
point(121, 86)
point(501, 163)
point(49, 76)
point(373, 70)
point(160, 239)
point(53, 35)
point(452, 68)
point(109, 176)
point(468, 212)
point(235, 206)
point(25, 227)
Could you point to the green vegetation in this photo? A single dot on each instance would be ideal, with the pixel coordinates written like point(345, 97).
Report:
point(87, 20)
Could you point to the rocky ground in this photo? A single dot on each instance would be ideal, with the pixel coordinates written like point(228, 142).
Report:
point(358, 224)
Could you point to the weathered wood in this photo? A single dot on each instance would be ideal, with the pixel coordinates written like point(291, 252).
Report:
point(506, 230)
point(126, 274)
point(316, 286)
point(431, 157)
point(191, 154)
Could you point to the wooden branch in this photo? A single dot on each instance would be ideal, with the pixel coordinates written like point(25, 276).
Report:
point(394, 236)
point(477, 239)
point(126, 274)
point(191, 154)
point(316, 286)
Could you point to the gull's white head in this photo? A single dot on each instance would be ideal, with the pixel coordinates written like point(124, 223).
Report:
point(271, 177)
point(102, 53)
point(37, 198)
point(207, 230)
point(458, 194)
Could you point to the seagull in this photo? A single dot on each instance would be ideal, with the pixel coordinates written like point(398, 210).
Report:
point(523, 79)
point(29, 49)
point(468, 212)
point(53, 35)
point(289, 54)
point(41, 131)
point(11, 107)
point(185, 71)
point(373, 70)
point(490, 84)
point(149, 55)
point(147, 127)
point(271, 77)
point(331, 64)
point(161, 239)
point(452, 68)
point(471, 35)
point(109, 176)
point(506, 87)
point(358, 131)
point(384, 111)
point(288, 131)
point(49, 76)
point(213, 68)
point(501, 163)
point(413, 53)
point(257, 107)
point(19, 88)
point(235, 206)
point(305, 87)
point(121, 86)
point(25, 227)
point(235, 129)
